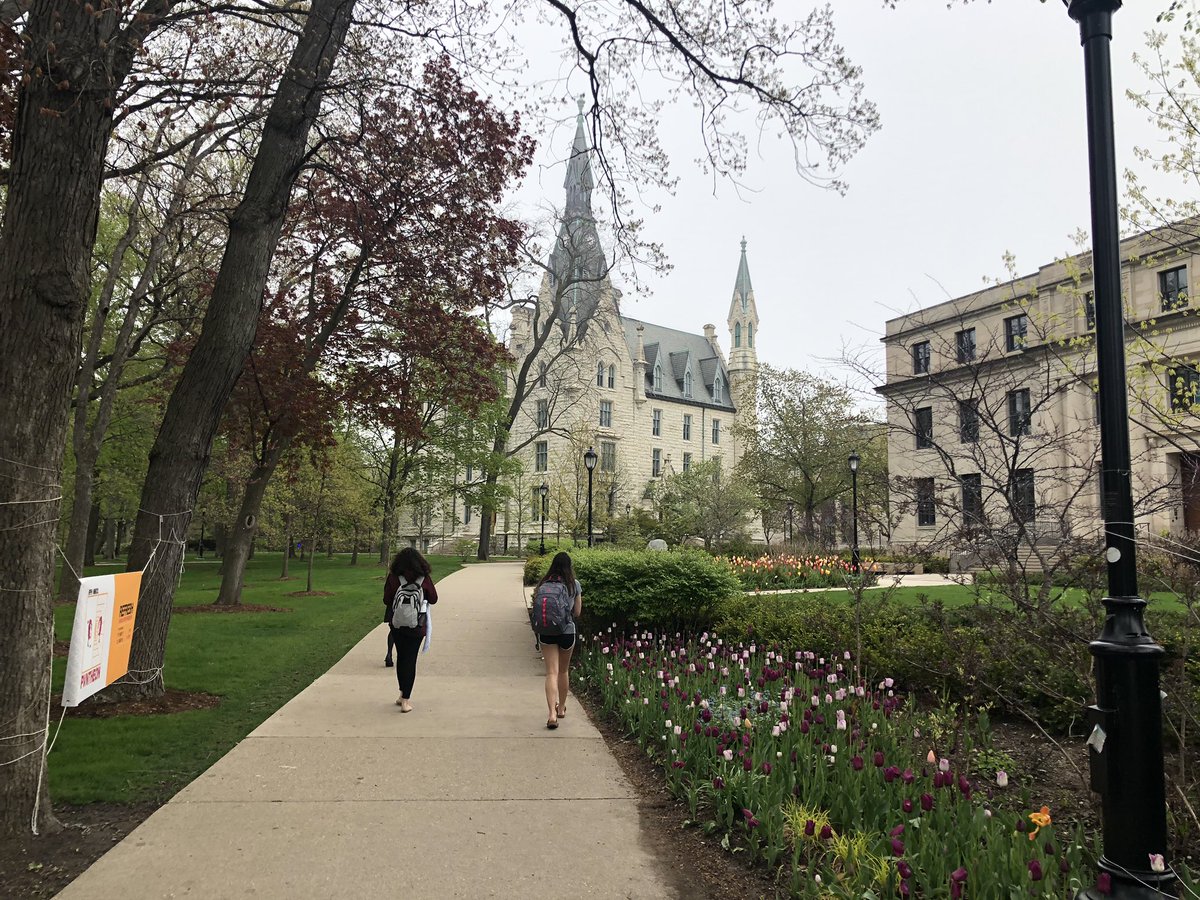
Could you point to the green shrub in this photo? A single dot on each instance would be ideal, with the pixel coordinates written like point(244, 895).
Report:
point(661, 589)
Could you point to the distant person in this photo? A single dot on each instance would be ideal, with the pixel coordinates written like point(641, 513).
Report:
point(557, 603)
point(407, 594)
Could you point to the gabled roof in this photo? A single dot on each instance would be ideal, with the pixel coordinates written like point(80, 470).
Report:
point(677, 348)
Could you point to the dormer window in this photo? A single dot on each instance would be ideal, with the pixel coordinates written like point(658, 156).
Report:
point(687, 383)
point(600, 374)
point(717, 389)
point(737, 334)
point(658, 378)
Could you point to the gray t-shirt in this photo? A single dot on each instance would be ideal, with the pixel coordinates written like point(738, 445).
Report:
point(569, 628)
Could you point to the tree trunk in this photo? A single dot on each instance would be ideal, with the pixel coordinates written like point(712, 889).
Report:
point(110, 538)
point(220, 540)
point(76, 62)
point(354, 551)
point(287, 553)
point(93, 534)
point(312, 553)
point(329, 546)
point(180, 453)
point(237, 548)
point(120, 539)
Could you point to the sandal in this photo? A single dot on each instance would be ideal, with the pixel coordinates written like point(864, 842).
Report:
point(561, 712)
point(551, 724)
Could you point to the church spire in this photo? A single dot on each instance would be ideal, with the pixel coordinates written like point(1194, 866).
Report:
point(743, 319)
point(579, 181)
point(741, 288)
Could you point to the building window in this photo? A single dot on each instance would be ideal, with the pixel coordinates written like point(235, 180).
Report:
point(656, 422)
point(920, 356)
point(541, 375)
point(737, 334)
point(1015, 328)
point(657, 378)
point(1172, 286)
point(606, 414)
point(749, 334)
point(612, 376)
point(972, 500)
point(716, 431)
point(470, 474)
point(608, 456)
point(466, 515)
point(600, 374)
point(543, 414)
point(1019, 416)
point(687, 383)
point(926, 515)
point(1089, 310)
point(687, 426)
point(687, 462)
point(536, 506)
point(1024, 507)
point(656, 463)
point(964, 345)
point(541, 456)
point(968, 421)
point(718, 389)
point(924, 427)
point(1183, 382)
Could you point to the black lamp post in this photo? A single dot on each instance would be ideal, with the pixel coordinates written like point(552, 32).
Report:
point(543, 489)
point(790, 529)
point(589, 462)
point(854, 561)
point(1125, 744)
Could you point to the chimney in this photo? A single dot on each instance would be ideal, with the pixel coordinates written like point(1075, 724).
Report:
point(710, 335)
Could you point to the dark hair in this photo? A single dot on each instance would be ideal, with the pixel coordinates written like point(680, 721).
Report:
point(410, 564)
point(560, 567)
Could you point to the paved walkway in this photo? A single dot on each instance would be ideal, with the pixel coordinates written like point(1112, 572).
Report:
point(340, 795)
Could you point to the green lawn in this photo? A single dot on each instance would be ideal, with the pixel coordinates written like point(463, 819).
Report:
point(954, 595)
point(255, 662)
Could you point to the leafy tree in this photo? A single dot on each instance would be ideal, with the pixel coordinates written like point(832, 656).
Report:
point(704, 502)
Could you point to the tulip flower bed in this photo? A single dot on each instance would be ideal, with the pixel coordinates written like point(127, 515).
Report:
point(826, 780)
point(786, 572)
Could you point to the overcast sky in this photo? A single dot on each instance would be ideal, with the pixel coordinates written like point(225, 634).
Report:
point(982, 150)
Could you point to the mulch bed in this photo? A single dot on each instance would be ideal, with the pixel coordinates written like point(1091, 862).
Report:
point(42, 866)
point(172, 701)
point(239, 608)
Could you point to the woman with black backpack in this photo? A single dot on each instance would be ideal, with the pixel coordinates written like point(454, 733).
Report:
point(557, 602)
point(407, 594)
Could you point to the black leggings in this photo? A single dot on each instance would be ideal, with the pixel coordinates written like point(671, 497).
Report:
point(408, 644)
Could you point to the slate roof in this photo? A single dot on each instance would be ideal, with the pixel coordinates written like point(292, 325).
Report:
point(679, 346)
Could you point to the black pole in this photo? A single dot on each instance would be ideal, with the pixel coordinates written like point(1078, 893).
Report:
point(542, 550)
point(854, 561)
point(1125, 744)
point(589, 471)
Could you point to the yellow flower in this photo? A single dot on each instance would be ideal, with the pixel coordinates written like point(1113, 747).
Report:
point(1040, 819)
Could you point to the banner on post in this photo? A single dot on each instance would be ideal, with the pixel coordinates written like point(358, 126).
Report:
point(102, 634)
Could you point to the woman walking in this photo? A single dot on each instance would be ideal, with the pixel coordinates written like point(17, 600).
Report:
point(407, 594)
point(558, 602)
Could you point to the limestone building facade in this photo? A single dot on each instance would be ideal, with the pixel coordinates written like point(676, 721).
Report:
point(993, 410)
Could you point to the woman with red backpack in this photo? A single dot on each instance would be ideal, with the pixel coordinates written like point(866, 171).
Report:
point(557, 603)
point(406, 597)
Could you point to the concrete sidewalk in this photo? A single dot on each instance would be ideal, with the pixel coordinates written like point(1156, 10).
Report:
point(340, 795)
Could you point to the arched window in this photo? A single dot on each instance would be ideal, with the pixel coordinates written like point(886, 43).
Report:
point(749, 334)
point(612, 376)
point(718, 388)
point(687, 383)
point(600, 375)
point(737, 334)
point(658, 378)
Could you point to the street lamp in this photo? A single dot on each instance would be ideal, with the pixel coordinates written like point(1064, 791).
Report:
point(854, 562)
point(791, 531)
point(543, 489)
point(1125, 744)
point(589, 462)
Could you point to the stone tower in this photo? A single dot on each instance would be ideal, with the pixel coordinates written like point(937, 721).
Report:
point(743, 357)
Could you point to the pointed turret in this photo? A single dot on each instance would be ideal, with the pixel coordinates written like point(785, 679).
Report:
point(741, 288)
point(743, 357)
point(579, 182)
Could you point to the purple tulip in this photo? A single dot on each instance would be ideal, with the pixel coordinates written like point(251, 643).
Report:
point(826, 832)
point(1035, 870)
point(878, 760)
point(907, 776)
point(751, 822)
point(897, 847)
point(1064, 866)
point(926, 802)
point(810, 828)
point(1104, 883)
point(890, 774)
point(904, 869)
point(957, 879)
point(907, 805)
point(719, 783)
point(857, 763)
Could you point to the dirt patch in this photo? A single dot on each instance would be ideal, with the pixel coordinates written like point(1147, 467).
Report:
point(42, 866)
point(310, 594)
point(172, 701)
point(697, 865)
point(239, 608)
point(62, 648)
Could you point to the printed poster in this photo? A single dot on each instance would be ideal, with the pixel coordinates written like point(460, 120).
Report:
point(102, 634)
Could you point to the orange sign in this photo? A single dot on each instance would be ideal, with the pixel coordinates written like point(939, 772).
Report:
point(102, 634)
